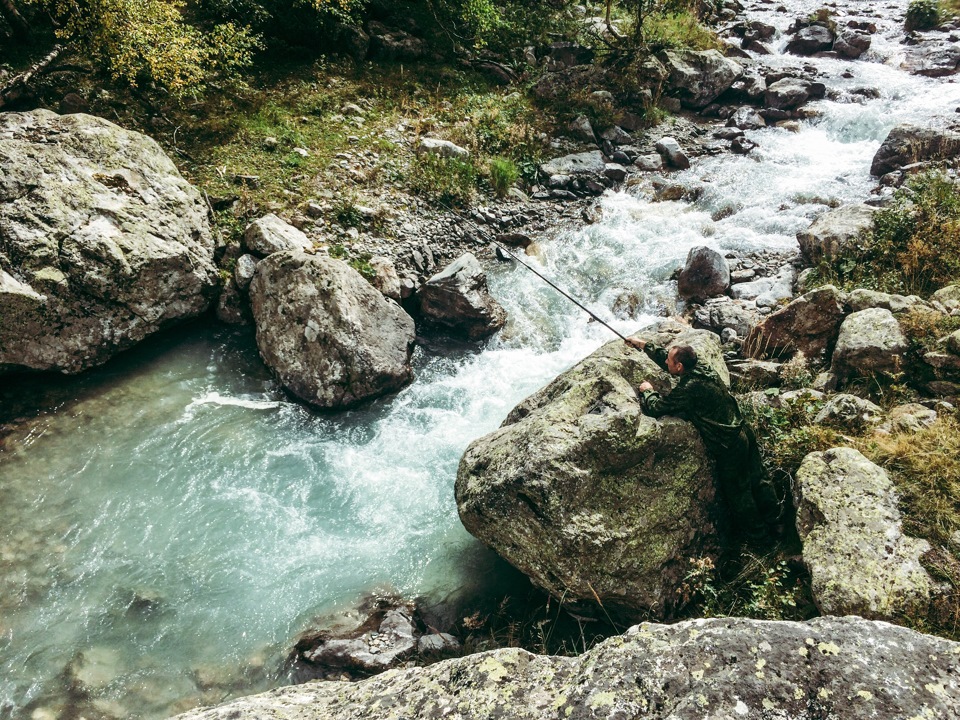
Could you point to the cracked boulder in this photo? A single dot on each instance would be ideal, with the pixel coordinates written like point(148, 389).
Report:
point(332, 338)
point(102, 242)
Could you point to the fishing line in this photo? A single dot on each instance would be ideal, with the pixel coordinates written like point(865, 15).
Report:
point(547, 280)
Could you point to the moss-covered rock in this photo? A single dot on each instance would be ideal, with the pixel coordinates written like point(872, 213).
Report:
point(721, 668)
point(589, 497)
point(860, 560)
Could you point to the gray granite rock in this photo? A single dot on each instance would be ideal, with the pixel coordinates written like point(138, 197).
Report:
point(860, 561)
point(833, 231)
point(270, 234)
point(719, 668)
point(102, 242)
point(869, 341)
point(330, 336)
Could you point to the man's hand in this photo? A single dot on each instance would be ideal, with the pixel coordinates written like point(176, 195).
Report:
point(636, 343)
point(644, 386)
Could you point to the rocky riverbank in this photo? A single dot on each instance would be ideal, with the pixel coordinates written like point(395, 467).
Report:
point(590, 499)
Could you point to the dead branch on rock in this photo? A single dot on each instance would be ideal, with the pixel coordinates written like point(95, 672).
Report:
point(16, 87)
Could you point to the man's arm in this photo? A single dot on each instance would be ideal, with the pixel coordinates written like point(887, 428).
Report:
point(676, 403)
point(652, 350)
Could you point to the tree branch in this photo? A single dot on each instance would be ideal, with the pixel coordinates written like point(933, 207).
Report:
point(14, 89)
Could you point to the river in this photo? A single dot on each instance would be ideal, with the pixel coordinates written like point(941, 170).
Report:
point(173, 520)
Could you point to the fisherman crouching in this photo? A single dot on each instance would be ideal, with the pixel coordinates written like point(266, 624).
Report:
point(702, 398)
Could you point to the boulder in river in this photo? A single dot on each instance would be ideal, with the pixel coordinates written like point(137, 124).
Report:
point(330, 336)
point(458, 300)
point(589, 497)
point(907, 144)
point(698, 77)
point(788, 93)
point(860, 561)
point(828, 667)
point(102, 242)
point(811, 39)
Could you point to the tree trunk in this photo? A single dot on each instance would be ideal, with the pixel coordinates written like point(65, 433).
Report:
point(15, 88)
point(21, 28)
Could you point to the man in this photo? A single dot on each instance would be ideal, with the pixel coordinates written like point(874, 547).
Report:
point(702, 398)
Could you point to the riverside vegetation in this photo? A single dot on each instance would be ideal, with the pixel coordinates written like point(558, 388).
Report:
point(269, 132)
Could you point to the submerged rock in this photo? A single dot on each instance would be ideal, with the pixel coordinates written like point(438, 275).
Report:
point(860, 561)
point(589, 497)
point(330, 336)
point(719, 668)
point(102, 242)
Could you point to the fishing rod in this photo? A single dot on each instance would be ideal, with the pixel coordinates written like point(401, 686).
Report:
point(547, 280)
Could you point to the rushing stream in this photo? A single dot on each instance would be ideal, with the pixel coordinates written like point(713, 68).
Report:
point(173, 520)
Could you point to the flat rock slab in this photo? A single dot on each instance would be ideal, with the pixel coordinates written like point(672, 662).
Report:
point(719, 668)
point(102, 242)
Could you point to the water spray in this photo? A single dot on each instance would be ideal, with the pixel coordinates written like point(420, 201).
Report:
point(504, 253)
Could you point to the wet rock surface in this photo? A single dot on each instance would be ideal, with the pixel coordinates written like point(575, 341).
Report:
point(729, 667)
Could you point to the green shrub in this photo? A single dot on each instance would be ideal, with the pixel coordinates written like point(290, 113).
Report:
point(914, 247)
point(679, 30)
point(503, 174)
point(922, 15)
point(448, 181)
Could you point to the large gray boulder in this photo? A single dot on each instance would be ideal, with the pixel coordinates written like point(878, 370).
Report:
point(860, 561)
point(102, 242)
point(589, 497)
point(827, 667)
point(457, 299)
point(698, 77)
point(810, 324)
point(869, 341)
point(330, 336)
point(705, 274)
point(833, 231)
point(907, 144)
point(585, 163)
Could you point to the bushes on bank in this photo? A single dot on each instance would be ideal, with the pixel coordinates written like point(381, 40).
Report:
point(914, 248)
point(922, 15)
